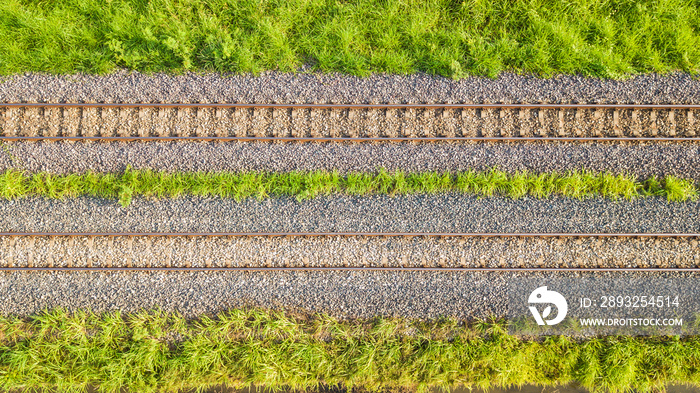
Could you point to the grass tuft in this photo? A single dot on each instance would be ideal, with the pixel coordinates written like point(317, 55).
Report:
point(305, 185)
point(677, 189)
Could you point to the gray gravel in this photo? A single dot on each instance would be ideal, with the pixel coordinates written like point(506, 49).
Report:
point(640, 159)
point(342, 294)
point(357, 251)
point(314, 87)
point(449, 212)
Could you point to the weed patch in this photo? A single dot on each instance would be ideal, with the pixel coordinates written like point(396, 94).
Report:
point(305, 185)
point(161, 352)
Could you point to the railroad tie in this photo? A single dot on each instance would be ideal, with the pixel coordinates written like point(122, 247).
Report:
point(124, 125)
point(297, 123)
point(501, 117)
point(561, 123)
point(129, 251)
point(336, 129)
point(90, 126)
point(654, 127)
point(31, 123)
point(635, 123)
point(316, 123)
point(143, 131)
point(148, 248)
point(71, 121)
point(240, 122)
point(260, 121)
point(371, 123)
point(523, 117)
point(199, 129)
point(12, 117)
point(90, 252)
point(598, 122)
point(424, 125)
point(448, 122)
point(51, 244)
point(543, 125)
point(578, 117)
point(54, 115)
point(408, 123)
point(30, 252)
point(691, 124)
point(11, 252)
point(390, 127)
point(279, 117)
point(4, 121)
point(672, 123)
point(482, 119)
point(159, 126)
point(468, 126)
point(169, 253)
point(108, 254)
point(71, 246)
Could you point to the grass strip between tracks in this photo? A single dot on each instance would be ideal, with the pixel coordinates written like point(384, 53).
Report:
point(304, 185)
point(155, 351)
point(452, 38)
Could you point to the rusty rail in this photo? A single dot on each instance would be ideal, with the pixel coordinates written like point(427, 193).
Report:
point(349, 106)
point(386, 269)
point(343, 139)
point(349, 234)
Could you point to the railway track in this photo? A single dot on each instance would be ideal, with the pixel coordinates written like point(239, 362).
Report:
point(348, 122)
point(341, 122)
point(575, 252)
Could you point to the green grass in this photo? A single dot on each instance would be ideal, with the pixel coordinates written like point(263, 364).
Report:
point(609, 38)
point(155, 351)
point(304, 185)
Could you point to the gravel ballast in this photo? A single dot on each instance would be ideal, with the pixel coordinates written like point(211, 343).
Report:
point(344, 294)
point(643, 160)
point(315, 87)
point(341, 294)
point(449, 212)
point(358, 251)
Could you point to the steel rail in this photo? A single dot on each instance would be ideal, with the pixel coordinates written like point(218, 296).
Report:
point(344, 139)
point(349, 106)
point(351, 234)
point(355, 269)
